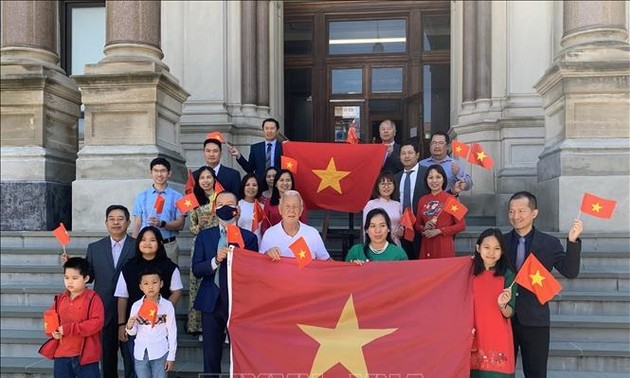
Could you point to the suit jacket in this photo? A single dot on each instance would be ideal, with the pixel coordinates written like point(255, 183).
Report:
point(229, 178)
point(420, 187)
point(392, 162)
point(205, 250)
point(550, 253)
point(104, 274)
point(257, 155)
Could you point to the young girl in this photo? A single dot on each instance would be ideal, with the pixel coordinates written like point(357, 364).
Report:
point(156, 332)
point(493, 348)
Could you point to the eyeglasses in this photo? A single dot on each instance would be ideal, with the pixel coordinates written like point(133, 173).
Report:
point(438, 143)
point(385, 183)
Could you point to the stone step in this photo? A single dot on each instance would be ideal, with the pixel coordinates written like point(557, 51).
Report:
point(593, 328)
point(591, 303)
point(596, 280)
point(596, 356)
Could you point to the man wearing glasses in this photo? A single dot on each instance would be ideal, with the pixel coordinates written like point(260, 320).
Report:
point(458, 179)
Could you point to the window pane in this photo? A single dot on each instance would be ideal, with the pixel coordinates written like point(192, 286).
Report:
point(437, 98)
point(347, 81)
point(367, 37)
point(387, 80)
point(298, 38)
point(436, 32)
point(298, 121)
point(385, 106)
point(346, 117)
point(88, 37)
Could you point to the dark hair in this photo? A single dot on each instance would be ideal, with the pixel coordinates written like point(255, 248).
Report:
point(275, 193)
point(78, 263)
point(241, 190)
point(412, 144)
point(160, 161)
point(161, 252)
point(389, 177)
point(439, 170)
point(150, 270)
point(265, 186)
point(502, 264)
point(214, 141)
point(271, 120)
point(445, 135)
point(533, 203)
point(117, 207)
point(199, 193)
point(371, 214)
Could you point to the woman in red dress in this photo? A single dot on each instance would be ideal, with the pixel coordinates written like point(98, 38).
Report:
point(437, 226)
point(492, 355)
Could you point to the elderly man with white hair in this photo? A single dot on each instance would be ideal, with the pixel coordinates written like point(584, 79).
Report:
point(277, 239)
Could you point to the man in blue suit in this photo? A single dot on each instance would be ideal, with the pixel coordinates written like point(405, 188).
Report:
point(229, 178)
point(530, 323)
point(211, 250)
point(262, 155)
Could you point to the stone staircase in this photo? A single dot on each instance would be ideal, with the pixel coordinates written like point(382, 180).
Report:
point(590, 334)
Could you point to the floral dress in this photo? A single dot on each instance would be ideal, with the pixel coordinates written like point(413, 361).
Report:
point(194, 316)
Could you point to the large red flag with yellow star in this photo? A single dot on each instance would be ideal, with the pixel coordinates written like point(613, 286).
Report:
point(411, 318)
point(534, 277)
point(336, 176)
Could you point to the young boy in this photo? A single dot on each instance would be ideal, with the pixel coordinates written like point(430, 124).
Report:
point(80, 312)
point(156, 336)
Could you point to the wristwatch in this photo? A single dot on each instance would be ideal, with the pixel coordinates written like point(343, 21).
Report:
point(162, 224)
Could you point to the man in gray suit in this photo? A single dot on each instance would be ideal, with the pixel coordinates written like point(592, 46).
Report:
point(107, 257)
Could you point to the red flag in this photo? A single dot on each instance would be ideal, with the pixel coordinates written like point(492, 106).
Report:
point(216, 135)
point(336, 176)
point(187, 203)
point(218, 188)
point(479, 157)
point(597, 206)
point(288, 163)
point(352, 135)
point(159, 204)
point(301, 252)
point(148, 311)
point(51, 321)
point(407, 221)
point(460, 149)
point(234, 235)
point(534, 277)
point(62, 234)
point(190, 183)
point(259, 215)
point(337, 321)
point(455, 208)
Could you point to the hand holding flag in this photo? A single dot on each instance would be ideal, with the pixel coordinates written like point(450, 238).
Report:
point(302, 253)
point(534, 277)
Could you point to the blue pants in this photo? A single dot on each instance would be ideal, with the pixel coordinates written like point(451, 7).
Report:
point(69, 367)
point(146, 368)
point(213, 329)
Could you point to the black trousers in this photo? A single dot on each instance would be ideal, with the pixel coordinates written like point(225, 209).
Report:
point(213, 330)
point(111, 345)
point(412, 249)
point(533, 343)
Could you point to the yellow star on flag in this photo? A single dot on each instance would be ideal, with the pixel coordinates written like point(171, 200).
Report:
point(596, 207)
point(481, 155)
point(188, 203)
point(330, 177)
point(289, 165)
point(343, 344)
point(454, 208)
point(537, 279)
point(152, 312)
point(458, 149)
point(302, 254)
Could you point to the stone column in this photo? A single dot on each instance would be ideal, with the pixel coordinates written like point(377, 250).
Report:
point(249, 58)
point(262, 56)
point(40, 107)
point(586, 100)
point(483, 45)
point(469, 61)
point(132, 110)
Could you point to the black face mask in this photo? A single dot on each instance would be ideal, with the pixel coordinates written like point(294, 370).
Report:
point(226, 213)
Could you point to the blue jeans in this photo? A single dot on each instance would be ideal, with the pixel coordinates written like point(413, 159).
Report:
point(146, 368)
point(69, 367)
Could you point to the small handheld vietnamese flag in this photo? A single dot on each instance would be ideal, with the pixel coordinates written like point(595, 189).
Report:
point(190, 183)
point(216, 135)
point(218, 188)
point(258, 216)
point(62, 234)
point(455, 208)
point(148, 311)
point(460, 149)
point(479, 157)
point(234, 236)
point(534, 277)
point(289, 163)
point(187, 203)
point(352, 135)
point(597, 206)
point(407, 221)
point(302, 252)
point(51, 321)
point(159, 204)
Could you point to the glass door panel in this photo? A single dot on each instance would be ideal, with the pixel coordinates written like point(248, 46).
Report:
point(345, 116)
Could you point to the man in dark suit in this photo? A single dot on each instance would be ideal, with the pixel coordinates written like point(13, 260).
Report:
point(107, 257)
point(387, 133)
point(211, 250)
point(262, 155)
point(530, 324)
point(412, 185)
point(229, 178)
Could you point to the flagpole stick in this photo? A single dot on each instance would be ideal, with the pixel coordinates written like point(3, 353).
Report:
point(579, 214)
point(65, 253)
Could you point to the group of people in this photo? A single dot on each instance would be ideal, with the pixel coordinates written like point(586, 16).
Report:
point(130, 272)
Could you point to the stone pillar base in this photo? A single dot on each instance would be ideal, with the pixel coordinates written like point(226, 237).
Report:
point(35, 206)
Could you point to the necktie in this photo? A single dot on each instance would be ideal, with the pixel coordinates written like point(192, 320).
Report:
point(520, 253)
point(407, 190)
point(268, 156)
point(222, 243)
point(116, 253)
